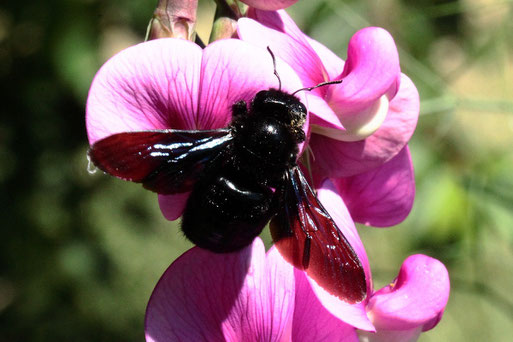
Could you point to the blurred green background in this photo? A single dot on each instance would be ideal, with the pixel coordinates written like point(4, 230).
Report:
point(80, 253)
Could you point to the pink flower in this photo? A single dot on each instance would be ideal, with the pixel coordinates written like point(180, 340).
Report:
point(172, 83)
point(269, 5)
point(360, 127)
point(253, 296)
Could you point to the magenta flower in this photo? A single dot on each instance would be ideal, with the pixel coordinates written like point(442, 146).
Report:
point(269, 5)
point(172, 83)
point(360, 127)
point(251, 296)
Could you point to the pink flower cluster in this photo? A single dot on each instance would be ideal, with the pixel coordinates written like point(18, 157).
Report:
point(357, 133)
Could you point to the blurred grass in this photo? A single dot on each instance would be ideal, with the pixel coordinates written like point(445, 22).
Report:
point(80, 254)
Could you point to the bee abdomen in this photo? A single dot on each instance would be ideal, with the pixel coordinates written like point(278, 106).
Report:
point(226, 212)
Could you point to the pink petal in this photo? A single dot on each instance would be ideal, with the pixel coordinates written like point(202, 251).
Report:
point(269, 5)
point(352, 314)
point(333, 64)
point(323, 114)
point(265, 306)
point(152, 85)
point(355, 314)
point(371, 71)
point(342, 159)
point(279, 21)
point(233, 70)
point(167, 83)
point(239, 296)
point(312, 322)
point(290, 45)
point(172, 206)
point(383, 196)
point(417, 298)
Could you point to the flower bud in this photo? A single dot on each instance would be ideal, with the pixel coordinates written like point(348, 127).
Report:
point(173, 19)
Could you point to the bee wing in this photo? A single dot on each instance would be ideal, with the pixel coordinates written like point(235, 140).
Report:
point(308, 238)
point(166, 162)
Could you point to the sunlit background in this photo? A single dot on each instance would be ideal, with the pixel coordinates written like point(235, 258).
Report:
point(80, 253)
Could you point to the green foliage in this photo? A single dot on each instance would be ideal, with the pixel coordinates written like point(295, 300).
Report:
point(80, 253)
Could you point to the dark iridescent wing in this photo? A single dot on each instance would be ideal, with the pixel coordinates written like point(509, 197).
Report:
point(167, 161)
point(309, 239)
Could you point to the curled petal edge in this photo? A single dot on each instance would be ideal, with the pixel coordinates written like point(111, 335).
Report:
point(417, 298)
point(376, 114)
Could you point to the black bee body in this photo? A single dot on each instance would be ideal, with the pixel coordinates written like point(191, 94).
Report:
point(233, 202)
point(240, 178)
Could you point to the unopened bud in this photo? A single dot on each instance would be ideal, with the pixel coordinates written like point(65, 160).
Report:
point(223, 27)
point(225, 21)
point(175, 19)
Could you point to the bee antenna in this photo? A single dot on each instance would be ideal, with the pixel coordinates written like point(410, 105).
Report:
point(317, 86)
point(274, 66)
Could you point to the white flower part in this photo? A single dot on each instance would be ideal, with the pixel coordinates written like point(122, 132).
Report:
point(376, 114)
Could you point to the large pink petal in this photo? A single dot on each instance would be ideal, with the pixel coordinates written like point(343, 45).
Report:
point(355, 314)
point(342, 159)
point(234, 70)
point(291, 46)
point(269, 5)
point(371, 71)
point(416, 299)
point(312, 322)
point(152, 85)
point(383, 196)
point(239, 296)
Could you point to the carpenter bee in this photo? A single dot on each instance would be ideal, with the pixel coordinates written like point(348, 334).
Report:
point(240, 178)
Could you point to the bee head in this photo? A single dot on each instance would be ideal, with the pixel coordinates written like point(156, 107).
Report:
point(283, 107)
